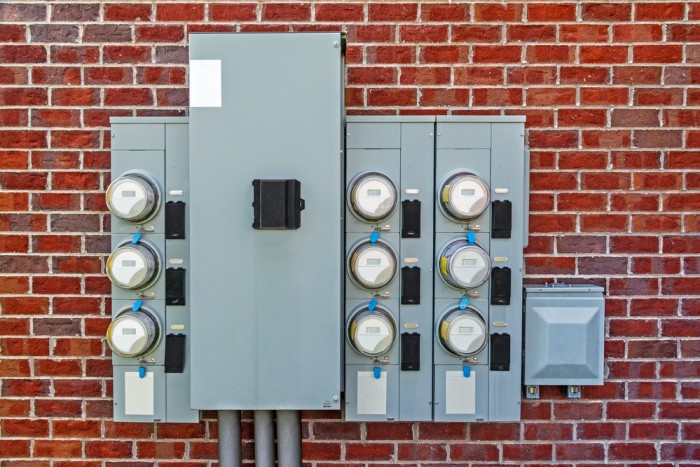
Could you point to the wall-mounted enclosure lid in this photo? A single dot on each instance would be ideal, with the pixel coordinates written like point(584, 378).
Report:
point(266, 315)
point(564, 326)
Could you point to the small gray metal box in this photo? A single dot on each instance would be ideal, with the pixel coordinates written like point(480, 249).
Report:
point(564, 334)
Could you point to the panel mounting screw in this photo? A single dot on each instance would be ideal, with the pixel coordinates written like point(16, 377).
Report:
point(336, 398)
point(335, 44)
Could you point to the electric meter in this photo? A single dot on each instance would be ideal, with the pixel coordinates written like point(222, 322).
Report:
point(133, 197)
point(372, 332)
point(133, 266)
point(133, 333)
point(372, 197)
point(462, 332)
point(464, 196)
point(464, 265)
point(372, 265)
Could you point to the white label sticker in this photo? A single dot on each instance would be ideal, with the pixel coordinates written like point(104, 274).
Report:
point(205, 83)
point(138, 394)
point(371, 393)
point(460, 397)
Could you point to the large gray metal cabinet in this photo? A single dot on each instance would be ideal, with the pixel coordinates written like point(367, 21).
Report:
point(266, 302)
point(397, 384)
point(155, 384)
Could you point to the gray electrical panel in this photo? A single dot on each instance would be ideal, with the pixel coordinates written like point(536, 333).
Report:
point(481, 208)
point(150, 316)
point(388, 292)
point(564, 331)
point(266, 220)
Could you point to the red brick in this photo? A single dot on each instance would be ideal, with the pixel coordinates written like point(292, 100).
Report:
point(369, 451)
point(336, 430)
point(606, 12)
point(637, 74)
point(286, 12)
point(583, 33)
point(603, 54)
point(412, 33)
point(232, 12)
point(606, 96)
point(494, 432)
point(527, 452)
point(392, 97)
point(422, 451)
point(392, 11)
point(657, 53)
point(529, 75)
point(179, 12)
point(391, 54)
point(339, 12)
point(659, 11)
point(632, 451)
point(442, 12)
point(389, 431)
point(371, 33)
point(579, 451)
point(497, 54)
point(444, 97)
point(108, 449)
point(548, 12)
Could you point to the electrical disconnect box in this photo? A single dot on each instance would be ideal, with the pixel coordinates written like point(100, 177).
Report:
point(148, 335)
point(564, 328)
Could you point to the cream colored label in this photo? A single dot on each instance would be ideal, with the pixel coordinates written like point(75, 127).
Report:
point(412, 191)
point(177, 327)
point(501, 191)
point(410, 325)
point(410, 260)
point(500, 324)
point(176, 261)
point(500, 259)
point(175, 192)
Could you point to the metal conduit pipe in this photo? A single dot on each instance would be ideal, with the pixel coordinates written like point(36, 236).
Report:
point(288, 438)
point(264, 438)
point(229, 438)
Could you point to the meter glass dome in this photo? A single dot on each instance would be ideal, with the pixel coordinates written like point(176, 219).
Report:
point(372, 265)
point(372, 333)
point(463, 265)
point(464, 196)
point(133, 333)
point(372, 197)
point(462, 332)
point(133, 266)
point(133, 197)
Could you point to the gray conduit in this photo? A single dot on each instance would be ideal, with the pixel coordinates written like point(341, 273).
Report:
point(264, 438)
point(229, 438)
point(288, 438)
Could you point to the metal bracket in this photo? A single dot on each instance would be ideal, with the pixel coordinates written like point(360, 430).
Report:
point(573, 392)
point(532, 392)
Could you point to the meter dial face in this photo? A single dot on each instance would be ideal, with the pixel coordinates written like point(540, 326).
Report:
point(133, 333)
point(462, 332)
point(372, 265)
point(133, 197)
point(372, 333)
point(372, 197)
point(464, 196)
point(463, 265)
point(133, 266)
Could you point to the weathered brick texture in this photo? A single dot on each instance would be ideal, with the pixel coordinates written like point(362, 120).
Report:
point(612, 96)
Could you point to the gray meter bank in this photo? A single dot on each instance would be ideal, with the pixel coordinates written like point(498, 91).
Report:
point(269, 257)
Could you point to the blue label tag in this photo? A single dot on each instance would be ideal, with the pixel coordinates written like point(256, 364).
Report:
point(377, 372)
point(467, 371)
point(374, 237)
point(372, 305)
point(142, 372)
point(470, 238)
point(463, 303)
point(137, 305)
point(135, 239)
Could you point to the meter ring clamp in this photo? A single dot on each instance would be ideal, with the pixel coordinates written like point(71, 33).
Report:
point(372, 265)
point(462, 333)
point(372, 197)
point(463, 265)
point(134, 266)
point(134, 197)
point(134, 333)
point(464, 196)
point(371, 332)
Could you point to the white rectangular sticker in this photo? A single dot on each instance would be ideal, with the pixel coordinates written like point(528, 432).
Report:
point(138, 394)
point(205, 83)
point(460, 395)
point(371, 393)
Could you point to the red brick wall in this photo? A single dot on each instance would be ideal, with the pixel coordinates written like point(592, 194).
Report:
point(612, 95)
